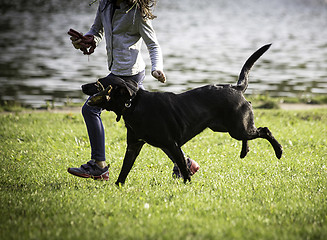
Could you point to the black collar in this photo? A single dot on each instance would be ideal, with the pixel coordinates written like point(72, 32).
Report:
point(128, 104)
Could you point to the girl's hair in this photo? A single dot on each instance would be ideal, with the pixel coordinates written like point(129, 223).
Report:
point(145, 7)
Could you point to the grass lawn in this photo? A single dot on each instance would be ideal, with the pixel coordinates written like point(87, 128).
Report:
point(259, 197)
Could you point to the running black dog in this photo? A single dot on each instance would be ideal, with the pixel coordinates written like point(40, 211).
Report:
point(167, 120)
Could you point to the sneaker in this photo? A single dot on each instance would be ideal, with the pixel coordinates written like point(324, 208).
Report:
point(91, 170)
point(191, 164)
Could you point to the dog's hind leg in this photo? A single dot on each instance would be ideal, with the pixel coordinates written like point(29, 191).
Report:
point(175, 153)
point(245, 148)
point(266, 134)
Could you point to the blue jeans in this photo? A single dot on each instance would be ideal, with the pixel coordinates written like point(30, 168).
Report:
point(95, 129)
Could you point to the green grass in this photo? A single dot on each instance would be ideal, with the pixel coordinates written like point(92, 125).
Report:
point(259, 197)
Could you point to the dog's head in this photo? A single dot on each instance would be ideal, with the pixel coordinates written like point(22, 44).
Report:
point(115, 96)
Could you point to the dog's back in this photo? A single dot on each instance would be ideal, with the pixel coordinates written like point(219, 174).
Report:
point(187, 114)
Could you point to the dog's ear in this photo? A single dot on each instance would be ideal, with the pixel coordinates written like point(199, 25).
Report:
point(115, 81)
point(131, 87)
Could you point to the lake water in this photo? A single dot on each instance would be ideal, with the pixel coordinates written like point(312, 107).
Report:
point(202, 41)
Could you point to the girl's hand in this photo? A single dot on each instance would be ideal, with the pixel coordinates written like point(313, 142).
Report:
point(76, 42)
point(85, 43)
point(159, 75)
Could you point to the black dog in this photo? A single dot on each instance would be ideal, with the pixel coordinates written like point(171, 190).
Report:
point(167, 120)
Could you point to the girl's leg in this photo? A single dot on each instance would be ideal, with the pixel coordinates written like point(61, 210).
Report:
point(96, 168)
point(92, 118)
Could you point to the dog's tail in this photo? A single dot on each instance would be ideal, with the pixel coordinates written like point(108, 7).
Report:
point(242, 82)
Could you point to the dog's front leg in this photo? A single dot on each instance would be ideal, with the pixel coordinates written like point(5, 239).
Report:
point(175, 152)
point(133, 149)
point(132, 152)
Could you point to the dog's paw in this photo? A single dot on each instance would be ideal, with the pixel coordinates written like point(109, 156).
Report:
point(188, 178)
point(119, 184)
point(279, 151)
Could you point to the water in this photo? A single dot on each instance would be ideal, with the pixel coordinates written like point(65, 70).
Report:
point(202, 41)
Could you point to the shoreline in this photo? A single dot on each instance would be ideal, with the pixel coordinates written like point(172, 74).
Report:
point(77, 109)
point(301, 106)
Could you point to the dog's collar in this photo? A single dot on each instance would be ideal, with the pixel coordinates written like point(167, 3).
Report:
point(127, 105)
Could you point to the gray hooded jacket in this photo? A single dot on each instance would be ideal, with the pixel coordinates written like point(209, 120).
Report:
point(124, 28)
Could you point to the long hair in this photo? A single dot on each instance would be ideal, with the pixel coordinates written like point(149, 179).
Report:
point(145, 7)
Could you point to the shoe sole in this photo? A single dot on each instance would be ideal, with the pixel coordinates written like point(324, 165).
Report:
point(194, 167)
point(104, 176)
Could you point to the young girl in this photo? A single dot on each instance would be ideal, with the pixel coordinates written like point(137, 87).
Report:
point(124, 23)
